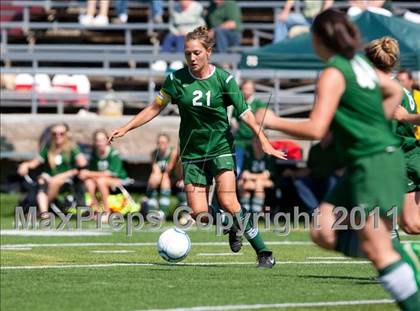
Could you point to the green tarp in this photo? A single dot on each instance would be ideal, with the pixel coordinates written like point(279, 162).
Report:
point(297, 53)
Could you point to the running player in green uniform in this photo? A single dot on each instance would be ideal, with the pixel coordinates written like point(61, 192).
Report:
point(350, 104)
point(163, 162)
point(62, 159)
point(384, 54)
point(202, 93)
point(105, 171)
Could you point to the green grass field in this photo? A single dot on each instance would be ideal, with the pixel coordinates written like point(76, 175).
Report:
point(116, 272)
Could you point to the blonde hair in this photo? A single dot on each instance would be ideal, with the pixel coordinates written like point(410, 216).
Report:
point(201, 34)
point(383, 53)
point(65, 149)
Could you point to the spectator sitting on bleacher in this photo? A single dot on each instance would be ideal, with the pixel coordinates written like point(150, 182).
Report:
point(122, 10)
point(225, 22)
point(99, 20)
point(255, 178)
point(62, 159)
point(243, 134)
point(286, 20)
point(164, 159)
point(185, 17)
point(105, 171)
point(357, 7)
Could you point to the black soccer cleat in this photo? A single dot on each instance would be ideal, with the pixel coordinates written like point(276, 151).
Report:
point(235, 241)
point(266, 260)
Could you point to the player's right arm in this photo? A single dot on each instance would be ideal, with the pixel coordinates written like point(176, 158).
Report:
point(144, 116)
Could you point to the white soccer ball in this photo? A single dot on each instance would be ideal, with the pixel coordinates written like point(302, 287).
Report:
point(174, 245)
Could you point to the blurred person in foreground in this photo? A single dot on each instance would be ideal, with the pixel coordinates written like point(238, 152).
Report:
point(384, 54)
point(62, 160)
point(355, 102)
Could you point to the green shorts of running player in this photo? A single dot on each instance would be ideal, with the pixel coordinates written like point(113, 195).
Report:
point(201, 172)
point(375, 181)
point(412, 159)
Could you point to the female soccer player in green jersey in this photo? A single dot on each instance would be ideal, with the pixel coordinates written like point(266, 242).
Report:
point(384, 54)
point(350, 104)
point(202, 93)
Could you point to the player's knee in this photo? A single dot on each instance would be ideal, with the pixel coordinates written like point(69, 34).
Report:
point(323, 238)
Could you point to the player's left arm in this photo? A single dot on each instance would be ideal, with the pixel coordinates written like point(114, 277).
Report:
point(402, 115)
point(330, 87)
point(248, 117)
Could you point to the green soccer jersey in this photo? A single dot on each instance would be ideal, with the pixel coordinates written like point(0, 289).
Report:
point(359, 125)
point(405, 130)
point(244, 134)
point(204, 131)
point(162, 160)
point(111, 162)
point(63, 161)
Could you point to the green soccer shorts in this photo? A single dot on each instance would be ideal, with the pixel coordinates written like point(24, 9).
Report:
point(202, 172)
point(370, 182)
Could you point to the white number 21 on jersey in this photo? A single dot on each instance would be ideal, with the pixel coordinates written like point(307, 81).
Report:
point(198, 95)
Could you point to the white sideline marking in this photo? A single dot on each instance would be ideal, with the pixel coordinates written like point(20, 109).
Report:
point(17, 248)
point(330, 258)
point(53, 233)
point(113, 252)
point(220, 254)
point(109, 265)
point(279, 305)
point(4, 246)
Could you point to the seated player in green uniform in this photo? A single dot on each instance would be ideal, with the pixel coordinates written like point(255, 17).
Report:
point(62, 160)
point(257, 175)
point(105, 171)
point(243, 134)
point(202, 93)
point(163, 162)
point(384, 54)
point(354, 102)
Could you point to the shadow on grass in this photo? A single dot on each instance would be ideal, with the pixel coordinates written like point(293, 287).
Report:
point(353, 279)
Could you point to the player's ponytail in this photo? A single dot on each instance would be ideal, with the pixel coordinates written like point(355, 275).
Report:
point(337, 33)
point(383, 53)
point(201, 33)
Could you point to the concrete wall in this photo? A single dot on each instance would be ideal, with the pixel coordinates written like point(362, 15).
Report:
point(24, 130)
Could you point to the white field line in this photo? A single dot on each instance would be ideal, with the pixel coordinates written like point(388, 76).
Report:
point(71, 233)
point(219, 254)
point(110, 265)
point(329, 258)
point(279, 305)
point(4, 246)
point(122, 251)
point(17, 249)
